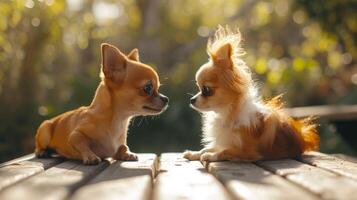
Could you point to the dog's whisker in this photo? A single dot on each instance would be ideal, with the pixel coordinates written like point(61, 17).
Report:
point(141, 120)
point(146, 120)
point(133, 121)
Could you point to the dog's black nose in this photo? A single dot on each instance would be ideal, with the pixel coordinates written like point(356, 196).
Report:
point(164, 98)
point(192, 100)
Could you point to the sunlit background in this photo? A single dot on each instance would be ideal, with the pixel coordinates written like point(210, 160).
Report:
point(50, 59)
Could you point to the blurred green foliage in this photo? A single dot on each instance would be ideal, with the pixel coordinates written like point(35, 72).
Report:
point(50, 59)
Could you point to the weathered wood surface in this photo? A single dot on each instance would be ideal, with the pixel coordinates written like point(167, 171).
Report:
point(122, 180)
point(248, 181)
point(181, 179)
point(22, 168)
point(331, 163)
point(55, 183)
point(314, 176)
point(345, 157)
point(22, 158)
point(326, 184)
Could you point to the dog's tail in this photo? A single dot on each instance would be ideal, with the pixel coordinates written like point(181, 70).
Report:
point(306, 128)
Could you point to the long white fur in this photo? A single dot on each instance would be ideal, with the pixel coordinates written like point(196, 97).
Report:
point(217, 133)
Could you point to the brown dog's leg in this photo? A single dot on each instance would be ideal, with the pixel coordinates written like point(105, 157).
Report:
point(124, 153)
point(81, 143)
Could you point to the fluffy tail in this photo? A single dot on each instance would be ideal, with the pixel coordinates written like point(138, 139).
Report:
point(309, 135)
point(305, 128)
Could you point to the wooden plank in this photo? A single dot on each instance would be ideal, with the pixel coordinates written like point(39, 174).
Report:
point(122, 180)
point(331, 112)
point(16, 160)
point(19, 169)
point(248, 181)
point(181, 179)
point(326, 184)
point(55, 183)
point(345, 157)
point(336, 165)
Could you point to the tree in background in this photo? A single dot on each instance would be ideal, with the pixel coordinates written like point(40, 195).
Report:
point(50, 59)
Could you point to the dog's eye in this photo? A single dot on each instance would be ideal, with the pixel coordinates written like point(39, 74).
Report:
point(206, 91)
point(148, 89)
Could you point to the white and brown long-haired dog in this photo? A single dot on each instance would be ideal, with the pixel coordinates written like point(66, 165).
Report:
point(237, 124)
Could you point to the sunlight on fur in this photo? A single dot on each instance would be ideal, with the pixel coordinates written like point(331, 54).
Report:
point(237, 124)
point(128, 88)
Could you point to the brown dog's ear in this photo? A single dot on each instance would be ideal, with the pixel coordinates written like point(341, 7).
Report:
point(134, 55)
point(113, 63)
point(223, 56)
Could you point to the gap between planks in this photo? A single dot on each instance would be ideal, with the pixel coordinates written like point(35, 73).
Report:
point(122, 180)
point(248, 181)
point(54, 183)
point(179, 178)
point(22, 168)
point(189, 179)
point(60, 181)
point(17, 160)
point(331, 163)
point(324, 183)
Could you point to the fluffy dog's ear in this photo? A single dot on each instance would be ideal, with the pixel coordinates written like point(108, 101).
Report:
point(113, 63)
point(134, 54)
point(223, 56)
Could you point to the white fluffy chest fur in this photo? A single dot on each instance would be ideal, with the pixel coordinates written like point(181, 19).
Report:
point(217, 134)
point(222, 134)
point(119, 130)
point(115, 136)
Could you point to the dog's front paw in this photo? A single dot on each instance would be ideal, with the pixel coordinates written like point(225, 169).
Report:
point(91, 160)
point(192, 155)
point(208, 156)
point(128, 156)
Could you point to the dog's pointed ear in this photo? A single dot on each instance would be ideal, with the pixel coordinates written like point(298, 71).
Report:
point(134, 54)
point(223, 56)
point(113, 63)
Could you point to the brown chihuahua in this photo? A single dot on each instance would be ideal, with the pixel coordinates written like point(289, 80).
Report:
point(128, 88)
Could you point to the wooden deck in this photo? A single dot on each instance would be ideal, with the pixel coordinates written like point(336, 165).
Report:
point(170, 177)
